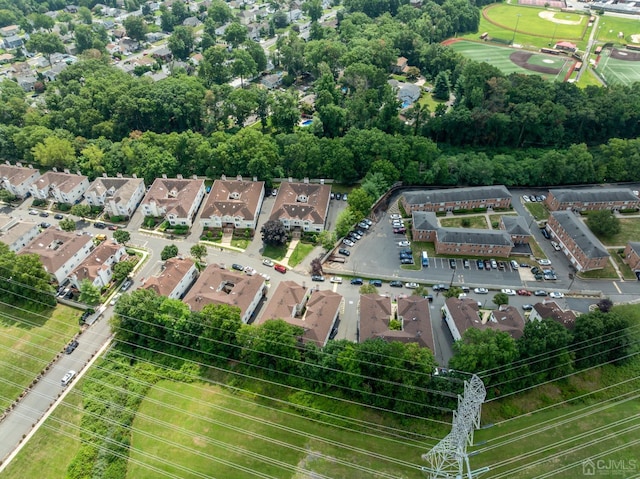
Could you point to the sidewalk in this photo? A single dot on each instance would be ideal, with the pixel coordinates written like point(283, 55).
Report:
point(292, 246)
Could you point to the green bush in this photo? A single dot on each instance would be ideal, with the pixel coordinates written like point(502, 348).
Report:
point(38, 202)
point(628, 211)
point(63, 206)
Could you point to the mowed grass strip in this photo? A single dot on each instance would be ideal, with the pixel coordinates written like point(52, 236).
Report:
point(29, 339)
point(191, 409)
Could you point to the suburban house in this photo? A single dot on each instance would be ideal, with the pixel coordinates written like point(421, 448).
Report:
point(177, 200)
point(551, 310)
point(587, 199)
point(13, 41)
point(217, 285)
point(17, 234)
point(407, 93)
point(233, 204)
point(632, 256)
point(424, 225)
point(577, 242)
point(507, 319)
point(376, 312)
point(517, 228)
point(97, 268)
point(457, 199)
point(400, 66)
point(17, 179)
point(473, 242)
point(60, 252)
point(119, 196)
point(460, 315)
point(174, 279)
point(9, 30)
point(272, 81)
point(63, 187)
point(316, 312)
point(6, 58)
point(302, 206)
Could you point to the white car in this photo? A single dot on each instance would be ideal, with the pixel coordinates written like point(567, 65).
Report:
point(395, 216)
point(544, 262)
point(404, 244)
point(508, 292)
point(526, 198)
point(267, 262)
point(348, 242)
point(249, 270)
point(556, 295)
point(336, 279)
point(265, 276)
point(397, 224)
point(481, 290)
point(462, 295)
point(555, 245)
point(115, 299)
point(411, 285)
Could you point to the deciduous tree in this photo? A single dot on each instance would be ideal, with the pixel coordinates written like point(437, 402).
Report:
point(121, 236)
point(67, 224)
point(198, 251)
point(135, 27)
point(169, 251)
point(603, 223)
point(89, 293)
point(274, 233)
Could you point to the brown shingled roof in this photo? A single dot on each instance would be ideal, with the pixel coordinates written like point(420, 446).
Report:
point(55, 247)
point(174, 270)
point(375, 314)
point(174, 194)
point(313, 209)
point(93, 263)
point(550, 309)
point(233, 198)
point(286, 302)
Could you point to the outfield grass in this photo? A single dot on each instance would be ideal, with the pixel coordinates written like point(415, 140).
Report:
point(29, 340)
point(221, 427)
point(618, 72)
point(499, 56)
point(529, 21)
point(609, 27)
point(479, 222)
point(299, 253)
point(629, 231)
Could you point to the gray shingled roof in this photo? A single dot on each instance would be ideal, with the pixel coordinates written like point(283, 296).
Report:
point(425, 220)
point(474, 236)
point(581, 234)
point(594, 195)
point(457, 194)
point(635, 246)
point(516, 225)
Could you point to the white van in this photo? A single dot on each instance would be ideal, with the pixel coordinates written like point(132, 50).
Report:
point(66, 379)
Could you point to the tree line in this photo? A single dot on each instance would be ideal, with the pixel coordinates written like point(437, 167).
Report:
point(390, 375)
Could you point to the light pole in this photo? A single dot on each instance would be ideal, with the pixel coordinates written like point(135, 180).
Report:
point(554, 33)
point(515, 30)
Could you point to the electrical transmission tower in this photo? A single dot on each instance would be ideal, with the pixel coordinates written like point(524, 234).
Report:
point(448, 459)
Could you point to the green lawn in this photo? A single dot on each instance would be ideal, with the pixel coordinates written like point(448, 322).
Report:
point(218, 429)
point(240, 243)
point(299, 253)
point(622, 266)
point(629, 231)
point(29, 341)
point(608, 272)
point(538, 211)
point(588, 78)
point(478, 222)
point(274, 252)
point(609, 27)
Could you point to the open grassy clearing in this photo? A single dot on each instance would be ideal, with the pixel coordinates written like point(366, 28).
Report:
point(208, 433)
point(629, 231)
point(479, 222)
point(537, 21)
point(610, 26)
point(538, 211)
point(29, 340)
point(299, 253)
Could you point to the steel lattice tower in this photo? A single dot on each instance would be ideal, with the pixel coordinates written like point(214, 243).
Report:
point(449, 459)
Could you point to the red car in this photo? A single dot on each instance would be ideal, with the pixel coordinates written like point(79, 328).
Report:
point(280, 268)
point(524, 292)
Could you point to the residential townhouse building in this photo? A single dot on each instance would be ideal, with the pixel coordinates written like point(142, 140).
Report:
point(517, 228)
point(60, 252)
point(302, 207)
point(460, 315)
point(17, 234)
point(632, 256)
point(176, 276)
point(119, 196)
point(454, 199)
point(17, 179)
point(62, 187)
point(175, 199)
point(233, 204)
point(551, 310)
point(97, 268)
point(506, 319)
point(589, 199)
point(473, 242)
point(217, 285)
point(581, 247)
point(376, 313)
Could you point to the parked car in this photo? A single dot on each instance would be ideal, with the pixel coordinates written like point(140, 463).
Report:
point(525, 265)
point(44, 214)
point(100, 225)
point(524, 292)
point(481, 290)
point(508, 292)
point(45, 225)
point(344, 197)
point(127, 284)
point(357, 281)
point(113, 228)
point(545, 233)
point(71, 347)
point(440, 287)
point(404, 243)
point(487, 264)
point(274, 192)
point(395, 216)
point(480, 264)
point(66, 379)
point(494, 264)
point(280, 269)
point(544, 262)
point(406, 261)
point(396, 284)
point(406, 251)
point(237, 267)
point(249, 270)
point(514, 264)
point(540, 292)
point(348, 242)
point(317, 277)
point(265, 276)
point(336, 279)
point(344, 252)
point(338, 196)
point(555, 245)
point(556, 295)
point(354, 236)
point(360, 232)
point(58, 216)
point(267, 262)
point(526, 198)
point(502, 265)
point(527, 307)
point(397, 223)
point(333, 196)
point(368, 221)
point(115, 299)
point(333, 333)
point(376, 282)
point(399, 231)
point(466, 264)
point(411, 285)
point(364, 225)
point(33, 212)
point(452, 263)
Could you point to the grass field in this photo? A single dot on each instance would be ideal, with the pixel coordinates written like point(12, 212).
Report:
point(609, 27)
point(218, 430)
point(615, 71)
point(479, 222)
point(29, 340)
point(299, 253)
point(530, 22)
point(629, 231)
point(538, 210)
point(274, 252)
point(608, 272)
point(500, 58)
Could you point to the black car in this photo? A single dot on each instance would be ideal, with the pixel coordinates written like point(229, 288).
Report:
point(429, 298)
point(45, 225)
point(344, 251)
point(545, 233)
point(396, 284)
point(71, 347)
point(375, 282)
point(480, 264)
point(338, 196)
point(333, 333)
point(58, 216)
point(237, 267)
point(317, 277)
point(44, 214)
point(452, 263)
point(357, 281)
point(406, 256)
point(540, 292)
point(100, 225)
point(406, 251)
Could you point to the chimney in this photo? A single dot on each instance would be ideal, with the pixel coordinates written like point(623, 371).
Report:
point(134, 176)
point(164, 176)
point(104, 175)
point(239, 177)
point(223, 177)
point(306, 180)
point(66, 170)
point(30, 166)
point(119, 175)
point(78, 173)
point(179, 176)
point(290, 180)
point(255, 178)
point(55, 169)
point(195, 177)
point(322, 181)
